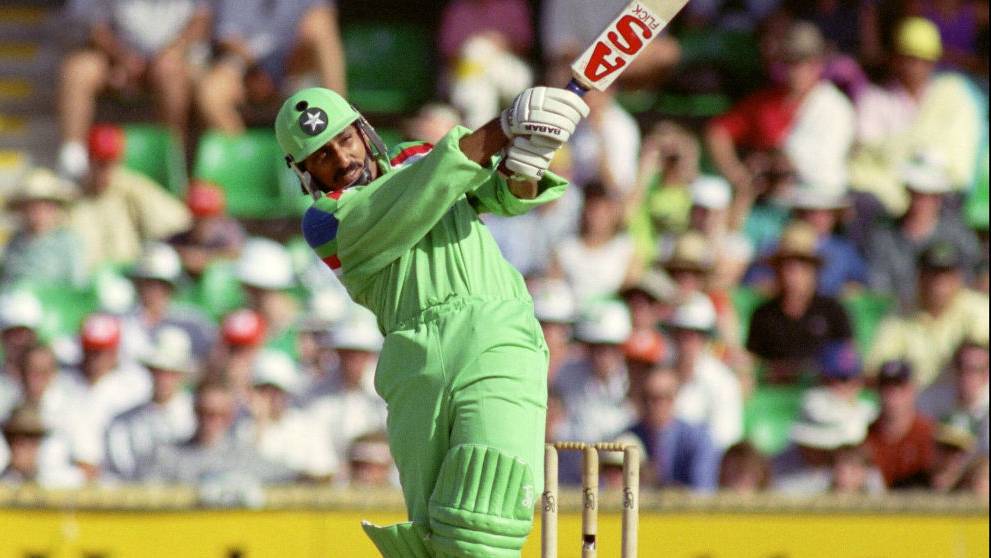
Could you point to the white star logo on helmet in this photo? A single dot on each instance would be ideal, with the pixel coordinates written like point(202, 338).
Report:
point(313, 121)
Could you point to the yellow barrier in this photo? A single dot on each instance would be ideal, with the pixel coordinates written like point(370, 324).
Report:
point(324, 534)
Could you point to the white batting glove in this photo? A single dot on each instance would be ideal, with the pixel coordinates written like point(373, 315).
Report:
point(527, 160)
point(547, 115)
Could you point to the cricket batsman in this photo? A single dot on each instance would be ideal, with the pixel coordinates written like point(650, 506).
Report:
point(464, 365)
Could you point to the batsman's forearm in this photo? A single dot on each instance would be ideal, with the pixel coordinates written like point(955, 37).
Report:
point(480, 145)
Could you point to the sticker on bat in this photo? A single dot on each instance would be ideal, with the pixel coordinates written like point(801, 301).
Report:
point(618, 45)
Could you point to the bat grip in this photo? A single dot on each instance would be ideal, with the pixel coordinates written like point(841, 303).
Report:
point(576, 88)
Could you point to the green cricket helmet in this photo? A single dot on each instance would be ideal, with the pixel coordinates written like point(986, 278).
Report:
point(311, 118)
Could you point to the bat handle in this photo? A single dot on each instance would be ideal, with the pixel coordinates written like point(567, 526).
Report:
point(576, 88)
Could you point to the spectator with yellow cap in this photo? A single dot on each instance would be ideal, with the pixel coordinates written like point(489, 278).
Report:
point(916, 110)
point(42, 250)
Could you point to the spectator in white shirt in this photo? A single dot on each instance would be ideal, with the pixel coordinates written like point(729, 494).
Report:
point(555, 308)
point(605, 146)
point(27, 436)
point(344, 406)
point(960, 395)
point(109, 386)
point(20, 316)
point(279, 432)
point(242, 335)
point(710, 393)
point(595, 388)
point(370, 462)
point(135, 435)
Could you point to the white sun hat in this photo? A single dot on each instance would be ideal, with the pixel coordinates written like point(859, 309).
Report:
point(926, 173)
point(358, 332)
point(274, 368)
point(711, 192)
point(697, 313)
point(265, 264)
point(554, 301)
point(20, 309)
point(158, 261)
point(172, 351)
point(606, 323)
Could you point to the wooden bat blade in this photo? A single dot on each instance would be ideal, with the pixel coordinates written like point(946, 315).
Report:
point(622, 41)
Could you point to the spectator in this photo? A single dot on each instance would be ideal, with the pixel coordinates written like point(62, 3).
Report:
point(344, 406)
point(680, 454)
point(50, 390)
point(960, 396)
point(130, 45)
point(265, 270)
point(120, 208)
point(893, 251)
point(662, 199)
point(790, 329)
point(611, 462)
point(20, 317)
point(370, 461)
point(42, 250)
point(901, 438)
point(214, 236)
point(954, 454)
point(978, 479)
point(108, 386)
point(263, 45)
point(763, 209)
point(605, 146)
point(917, 111)
point(156, 277)
point(600, 260)
point(649, 302)
point(806, 118)
point(213, 453)
point(743, 470)
point(853, 471)
point(134, 436)
point(595, 388)
point(843, 269)
point(825, 424)
point(710, 394)
point(26, 435)
point(948, 314)
point(709, 215)
point(281, 433)
point(242, 335)
point(483, 43)
point(555, 308)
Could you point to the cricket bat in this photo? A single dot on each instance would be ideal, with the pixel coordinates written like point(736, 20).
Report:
point(620, 43)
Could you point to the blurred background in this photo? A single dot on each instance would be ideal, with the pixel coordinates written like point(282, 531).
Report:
point(771, 272)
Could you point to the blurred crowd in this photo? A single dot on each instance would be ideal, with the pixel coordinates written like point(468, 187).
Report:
point(788, 293)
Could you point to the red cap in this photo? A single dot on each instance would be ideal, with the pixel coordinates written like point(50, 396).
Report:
point(105, 143)
point(99, 331)
point(645, 346)
point(205, 199)
point(243, 327)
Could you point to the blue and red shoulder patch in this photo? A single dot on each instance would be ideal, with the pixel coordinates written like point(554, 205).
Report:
point(320, 229)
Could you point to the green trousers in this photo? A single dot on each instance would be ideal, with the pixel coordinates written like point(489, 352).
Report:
point(467, 371)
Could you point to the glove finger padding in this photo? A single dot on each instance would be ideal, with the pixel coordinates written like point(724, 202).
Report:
point(544, 111)
point(528, 159)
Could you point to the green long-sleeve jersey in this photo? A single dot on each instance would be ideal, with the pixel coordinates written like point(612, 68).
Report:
point(412, 238)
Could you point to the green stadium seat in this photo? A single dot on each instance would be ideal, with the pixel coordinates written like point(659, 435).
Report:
point(251, 169)
point(64, 309)
point(387, 66)
point(768, 416)
point(866, 310)
point(976, 204)
point(155, 152)
point(391, 136)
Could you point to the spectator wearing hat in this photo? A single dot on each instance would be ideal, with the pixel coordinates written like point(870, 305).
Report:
point(600, 260)
point(30, 459)
point(960, 395)
point(893, 251)
point(712, 215)
point(611, 462)
point(370, 461)
point(265, 270)
point(788, 331)
point(129, 46)
point(595, 388)
point(917, 110)
point(263, 46)
point(806, 118)
point(843, 268)
point(108, 386)
point(649, 302)
point(213, 236)
point(659, 205)
point(215, 453)
point(947, 315)
point(710, 394)
point(20, 317)
point(42, 250)
point(678, 453)
point(120, 208)
point(827, 422)
point(901, 438)
point(954, 455)
point(555, 308)
point(134, 436)
point(156, 276)
point(51, 390)
point(242, 336)
point(280, 432)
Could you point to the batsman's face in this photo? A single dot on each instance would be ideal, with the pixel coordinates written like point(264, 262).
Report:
point(342, 162)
